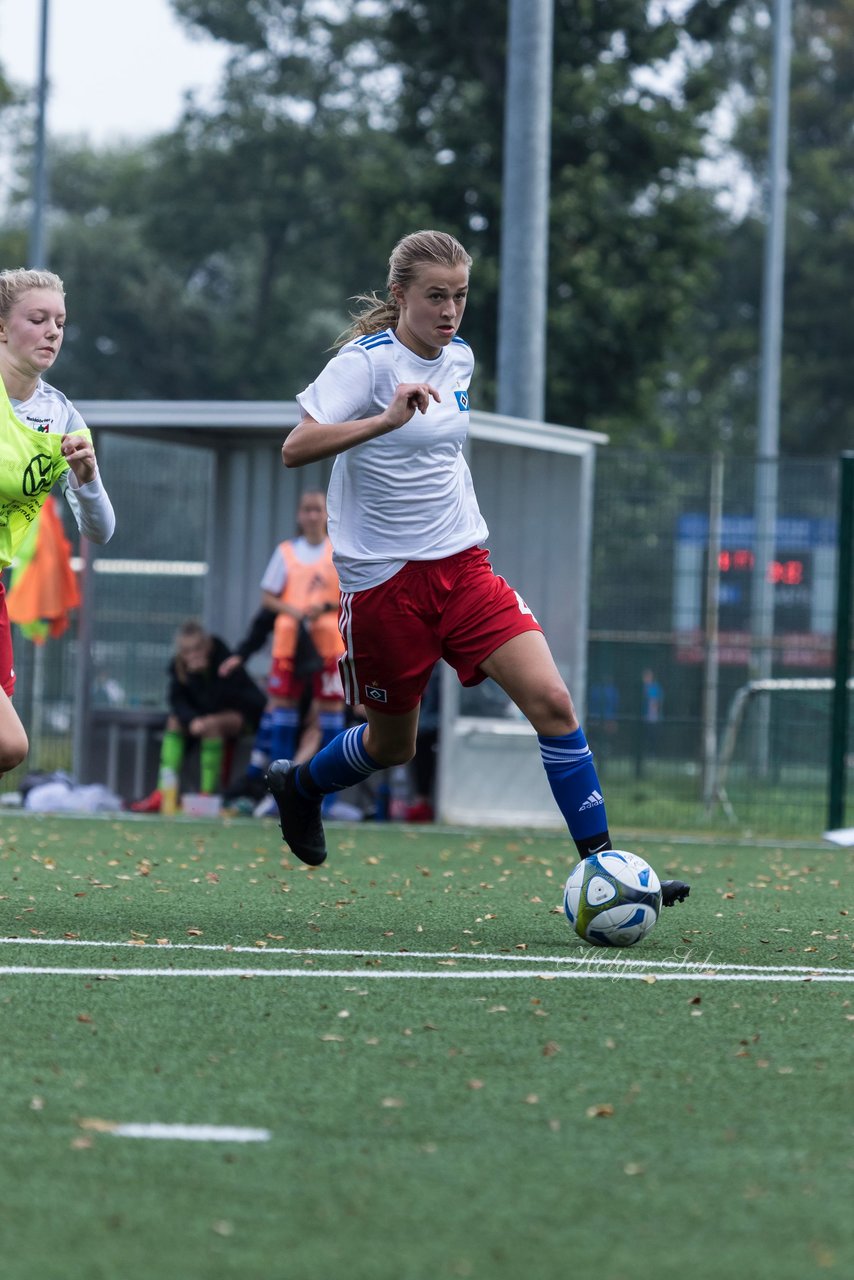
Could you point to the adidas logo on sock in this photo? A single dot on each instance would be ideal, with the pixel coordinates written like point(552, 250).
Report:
point(592, 800)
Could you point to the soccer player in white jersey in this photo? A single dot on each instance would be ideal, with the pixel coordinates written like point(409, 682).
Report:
point(44, 442)
point(392, 407)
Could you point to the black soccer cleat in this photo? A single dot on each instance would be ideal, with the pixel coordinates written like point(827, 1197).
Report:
point(673, 891)
point(299, 817)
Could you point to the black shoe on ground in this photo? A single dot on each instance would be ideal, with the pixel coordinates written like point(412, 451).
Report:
point(299, 817)
point(255, 788)
point(673, 891)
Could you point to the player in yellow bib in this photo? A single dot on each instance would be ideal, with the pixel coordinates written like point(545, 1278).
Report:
point(43, 442)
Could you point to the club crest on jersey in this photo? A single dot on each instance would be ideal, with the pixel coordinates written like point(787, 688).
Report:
point(462, 399)
point(373, 693)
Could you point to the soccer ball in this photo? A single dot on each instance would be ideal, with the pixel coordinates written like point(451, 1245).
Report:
point(612, 899)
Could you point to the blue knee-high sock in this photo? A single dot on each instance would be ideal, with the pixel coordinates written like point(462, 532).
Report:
point(261, 753)
point(568, 762)
point(341, 764)
point(284, 732)
point(331, 723)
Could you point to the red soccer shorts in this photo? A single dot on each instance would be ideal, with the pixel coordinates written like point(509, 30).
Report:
point(283, 683)
point(7, 671)
point(394, 634)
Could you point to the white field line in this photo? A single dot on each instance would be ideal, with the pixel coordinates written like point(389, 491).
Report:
point(191, 1132)
point(615, 975)
point(604, 958)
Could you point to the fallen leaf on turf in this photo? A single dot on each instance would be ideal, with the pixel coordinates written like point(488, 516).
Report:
point(633, 1169)
point(194, 933)
point(601, 1109)
point(96, 1125)
point(475, 1084)
point(550, 1049)
point(392, 1102)
point(532, 1099)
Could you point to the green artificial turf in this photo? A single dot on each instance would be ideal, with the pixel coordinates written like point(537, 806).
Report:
point(420, 1127)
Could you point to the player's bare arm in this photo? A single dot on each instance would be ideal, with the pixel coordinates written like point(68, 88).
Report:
point(310, 440)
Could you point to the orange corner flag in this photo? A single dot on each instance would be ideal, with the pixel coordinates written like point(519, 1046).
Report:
point(44, 588)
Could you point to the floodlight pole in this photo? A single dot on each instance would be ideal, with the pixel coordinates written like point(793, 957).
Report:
point(38, 251)
point(768, 432)
point(523, 291)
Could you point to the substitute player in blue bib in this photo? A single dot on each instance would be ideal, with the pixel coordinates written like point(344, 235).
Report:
point(43, 442)
point(392, 407)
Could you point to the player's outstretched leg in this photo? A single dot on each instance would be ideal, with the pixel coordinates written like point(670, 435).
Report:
point(572, 776)
point(299, 815)
point(673, 891)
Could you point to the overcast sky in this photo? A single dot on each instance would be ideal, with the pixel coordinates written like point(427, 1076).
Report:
point(117, 68)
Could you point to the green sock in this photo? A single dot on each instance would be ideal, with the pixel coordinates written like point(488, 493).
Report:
point(211, 764)
point(171, 758)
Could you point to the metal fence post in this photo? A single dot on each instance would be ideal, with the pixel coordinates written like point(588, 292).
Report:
point(842, 668)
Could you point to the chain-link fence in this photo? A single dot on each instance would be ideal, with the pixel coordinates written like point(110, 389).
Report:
point(706, 578)
point(711, 640)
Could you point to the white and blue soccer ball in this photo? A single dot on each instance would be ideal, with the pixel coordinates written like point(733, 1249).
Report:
point(612, 899)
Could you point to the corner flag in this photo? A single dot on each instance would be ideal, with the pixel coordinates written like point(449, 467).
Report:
point(43, 587)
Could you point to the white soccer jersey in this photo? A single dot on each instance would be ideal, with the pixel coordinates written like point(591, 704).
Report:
point(407, 495)
point(47, 409)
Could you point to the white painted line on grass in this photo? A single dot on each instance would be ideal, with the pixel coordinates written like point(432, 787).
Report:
point(192, 1132)
point(479, 975)
point(603, 957)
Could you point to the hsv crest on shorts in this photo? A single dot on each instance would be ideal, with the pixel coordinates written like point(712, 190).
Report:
point(373, 693)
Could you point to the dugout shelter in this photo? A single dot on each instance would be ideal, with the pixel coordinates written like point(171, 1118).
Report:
point(534, 482)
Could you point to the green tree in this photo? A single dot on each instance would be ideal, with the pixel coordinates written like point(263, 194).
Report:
point(630, 238)
point(218, 258)
point(713, 380)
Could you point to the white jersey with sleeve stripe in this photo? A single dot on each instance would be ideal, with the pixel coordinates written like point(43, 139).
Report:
point(407, 495)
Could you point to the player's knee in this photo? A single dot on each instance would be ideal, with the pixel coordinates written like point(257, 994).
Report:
point(552, 712)
point(13, 749)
